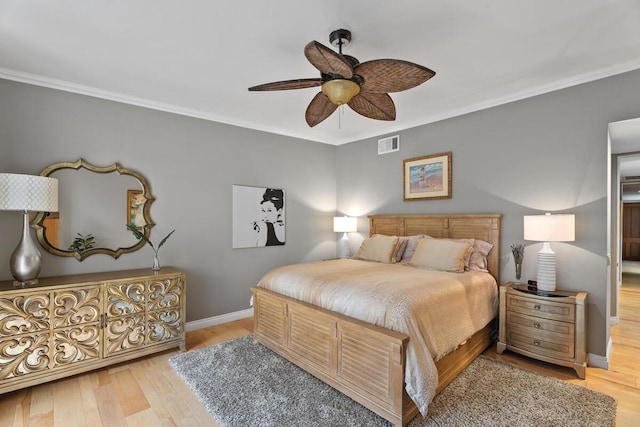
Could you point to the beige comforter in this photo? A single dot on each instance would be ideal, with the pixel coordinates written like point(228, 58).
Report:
point(437, 310)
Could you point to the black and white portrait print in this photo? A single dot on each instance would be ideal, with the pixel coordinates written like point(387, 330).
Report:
point(258, 216)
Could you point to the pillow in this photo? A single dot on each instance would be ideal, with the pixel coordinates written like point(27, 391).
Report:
point(401, 246)
point(478, 258)
point(396, 256)
point(468, 241)
point(441, 254)
point(378, 248)
point(412, 242)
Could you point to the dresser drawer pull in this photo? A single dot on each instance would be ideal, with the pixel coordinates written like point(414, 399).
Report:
point(536, 325)
point(536, 307)
point(536, 342)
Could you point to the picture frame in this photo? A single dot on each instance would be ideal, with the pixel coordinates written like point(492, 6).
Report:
point(427, 177)
point(258, 216)
point(135, 208)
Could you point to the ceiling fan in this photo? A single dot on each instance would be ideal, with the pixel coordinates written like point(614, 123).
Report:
point(362, 86)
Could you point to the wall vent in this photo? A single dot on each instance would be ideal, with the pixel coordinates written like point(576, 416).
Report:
point(389, 145)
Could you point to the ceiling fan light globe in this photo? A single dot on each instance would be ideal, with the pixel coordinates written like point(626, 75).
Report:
point(340, 91)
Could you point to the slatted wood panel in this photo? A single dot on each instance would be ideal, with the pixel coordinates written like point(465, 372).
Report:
point(371, 370)
point(270, 319)
point(312, 336)
point(360, 357)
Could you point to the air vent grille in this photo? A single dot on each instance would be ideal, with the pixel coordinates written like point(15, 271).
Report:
point(389, 145)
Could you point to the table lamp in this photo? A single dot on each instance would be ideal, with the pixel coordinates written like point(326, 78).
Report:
point(345, 224)
point(548, 228)
point(27, 193)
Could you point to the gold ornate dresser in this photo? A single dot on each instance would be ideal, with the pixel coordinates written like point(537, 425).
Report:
point(70, 324)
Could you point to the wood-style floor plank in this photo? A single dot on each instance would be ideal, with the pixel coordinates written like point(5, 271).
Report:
point(148, 391)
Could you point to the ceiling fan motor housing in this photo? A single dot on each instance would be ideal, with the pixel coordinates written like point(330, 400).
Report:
point(339, 38)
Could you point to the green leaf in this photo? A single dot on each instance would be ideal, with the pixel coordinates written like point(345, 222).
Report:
point(165, 239)
point(141, 236)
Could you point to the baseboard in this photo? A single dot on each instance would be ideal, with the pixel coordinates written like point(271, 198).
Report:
point(597, 361)
point(216, 320)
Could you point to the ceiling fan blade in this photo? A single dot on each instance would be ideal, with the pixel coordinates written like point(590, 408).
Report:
point(319, 109)
point(391, 75)
point(328, 61)
point(377, 106)
point(288, 84)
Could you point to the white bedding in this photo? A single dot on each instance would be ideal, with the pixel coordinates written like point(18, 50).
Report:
point(437, 310)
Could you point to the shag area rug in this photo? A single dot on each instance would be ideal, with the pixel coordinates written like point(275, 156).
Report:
point(242, 383)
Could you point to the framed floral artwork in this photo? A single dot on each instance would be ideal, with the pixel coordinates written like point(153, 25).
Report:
point(135, 208)
point(427, 177)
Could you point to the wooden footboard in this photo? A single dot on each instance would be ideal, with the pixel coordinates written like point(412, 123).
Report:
point(363, 361)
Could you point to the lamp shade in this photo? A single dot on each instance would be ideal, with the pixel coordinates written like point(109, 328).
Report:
point(550, 228)
point(345, 224)
point(28, 193)
point(340, 91)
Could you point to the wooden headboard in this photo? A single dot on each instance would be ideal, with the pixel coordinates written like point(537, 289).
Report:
point(484, 227)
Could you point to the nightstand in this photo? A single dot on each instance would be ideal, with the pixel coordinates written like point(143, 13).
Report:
point(549, 326)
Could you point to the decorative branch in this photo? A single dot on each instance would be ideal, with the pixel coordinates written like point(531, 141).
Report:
point(517, 249)
point(141, 236)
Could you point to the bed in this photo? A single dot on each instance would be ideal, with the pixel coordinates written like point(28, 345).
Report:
point(366, 360)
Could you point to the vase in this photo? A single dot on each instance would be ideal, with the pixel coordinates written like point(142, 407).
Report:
point(156, 263)
point(518, 269)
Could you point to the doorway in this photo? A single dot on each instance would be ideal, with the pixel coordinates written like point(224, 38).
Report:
point(624, 140)
point(630, 229)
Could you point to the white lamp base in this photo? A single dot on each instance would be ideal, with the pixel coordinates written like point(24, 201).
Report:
point(344, 247)
point(546, 268)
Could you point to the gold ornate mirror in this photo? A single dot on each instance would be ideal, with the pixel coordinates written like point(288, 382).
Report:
point(95, 205)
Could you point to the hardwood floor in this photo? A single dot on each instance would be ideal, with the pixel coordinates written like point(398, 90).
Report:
point(622, 379)
point(147, 392)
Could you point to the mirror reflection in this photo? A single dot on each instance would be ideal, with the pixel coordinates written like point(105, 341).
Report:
point(95, 204)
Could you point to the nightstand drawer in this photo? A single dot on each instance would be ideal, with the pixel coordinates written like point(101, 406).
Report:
point(541, 328)
point(536, 343)
point(544, 309)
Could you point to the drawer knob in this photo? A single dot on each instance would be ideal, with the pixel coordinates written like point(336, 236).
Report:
point(536, 342)
point(536, 307)
point(536, 325)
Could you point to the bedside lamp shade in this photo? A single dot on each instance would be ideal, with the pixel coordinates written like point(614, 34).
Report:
point(345, 224)
point(27, 193)
point(548, 228)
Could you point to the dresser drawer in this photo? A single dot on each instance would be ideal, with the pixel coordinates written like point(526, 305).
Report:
point(544, 328)
point(540, 344)
point(544, 309)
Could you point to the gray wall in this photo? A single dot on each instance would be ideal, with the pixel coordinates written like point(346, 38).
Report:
point(543, 154)
point(191, 165)
point(547, 153)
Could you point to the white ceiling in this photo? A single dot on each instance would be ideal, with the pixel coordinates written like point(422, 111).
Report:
point(198, 57)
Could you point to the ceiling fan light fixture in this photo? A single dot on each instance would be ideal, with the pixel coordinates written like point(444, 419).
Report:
point(340, 91)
